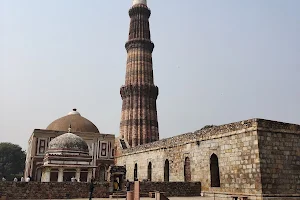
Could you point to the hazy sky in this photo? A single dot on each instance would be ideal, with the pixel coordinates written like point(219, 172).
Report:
point(215, 62)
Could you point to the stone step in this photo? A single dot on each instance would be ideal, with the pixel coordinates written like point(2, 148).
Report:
point(118, 194)
point(115, 196)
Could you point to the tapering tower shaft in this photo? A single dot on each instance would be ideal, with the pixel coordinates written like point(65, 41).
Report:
point(139, 123)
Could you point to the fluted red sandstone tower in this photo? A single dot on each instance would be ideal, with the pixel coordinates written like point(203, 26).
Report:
point(139, 114)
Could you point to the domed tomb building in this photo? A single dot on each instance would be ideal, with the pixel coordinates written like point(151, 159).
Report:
point(94, 145)
point(67, 157)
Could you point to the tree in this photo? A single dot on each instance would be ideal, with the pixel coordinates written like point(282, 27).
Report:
point(12, 160)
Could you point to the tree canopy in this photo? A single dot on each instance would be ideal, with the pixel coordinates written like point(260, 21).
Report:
point(12, 160)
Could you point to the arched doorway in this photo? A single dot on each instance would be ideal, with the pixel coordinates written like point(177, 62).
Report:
point(214, 171)
point(102, 174)
point(167, 171)
point(135, 172)
point(38, 175)
point(149, 177)
point(187, 170)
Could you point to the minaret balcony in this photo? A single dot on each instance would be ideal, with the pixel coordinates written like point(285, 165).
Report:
point(140, 43)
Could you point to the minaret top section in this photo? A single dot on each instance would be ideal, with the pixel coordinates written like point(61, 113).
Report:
point(135, 2)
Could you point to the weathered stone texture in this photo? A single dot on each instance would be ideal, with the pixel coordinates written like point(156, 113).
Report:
point(172, 189)
point(237, 151)
point(139, 124)
point(280, 162)
point(38, 190)
point(256, 157)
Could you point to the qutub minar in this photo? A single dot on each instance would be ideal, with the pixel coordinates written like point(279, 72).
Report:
point(139, 123)
point(256, 158)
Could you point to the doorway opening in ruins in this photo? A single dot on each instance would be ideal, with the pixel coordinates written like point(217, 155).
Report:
point(38, 175)
point(135, 172)
point(149, 177)
point(214, 171)
point(102, 174)
point(187, 170)
point(116, 178)
point(167, 171)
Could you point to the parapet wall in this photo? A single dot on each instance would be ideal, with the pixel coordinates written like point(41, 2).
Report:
point(54, 190)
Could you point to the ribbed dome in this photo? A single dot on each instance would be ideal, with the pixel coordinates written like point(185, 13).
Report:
point(78, 123)
point(68, 141)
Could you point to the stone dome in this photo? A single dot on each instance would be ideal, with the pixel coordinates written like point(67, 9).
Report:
point(78, 123)
point(70, 142)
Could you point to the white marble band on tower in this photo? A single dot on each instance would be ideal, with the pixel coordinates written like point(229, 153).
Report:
point(139, 2)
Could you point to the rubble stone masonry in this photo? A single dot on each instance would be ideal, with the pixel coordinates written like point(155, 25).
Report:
point(256, 158)
point(279, 152)
point(53, 190)
point(38, 190)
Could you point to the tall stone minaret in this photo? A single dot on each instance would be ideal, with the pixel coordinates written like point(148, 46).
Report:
point(139, 114)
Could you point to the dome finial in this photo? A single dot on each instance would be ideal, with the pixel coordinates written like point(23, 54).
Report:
point(74, 112)
point(139, 2)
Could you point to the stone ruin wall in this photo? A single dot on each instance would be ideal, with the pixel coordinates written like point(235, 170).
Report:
point(256, 156)
point(236, 146)
point(280, 158)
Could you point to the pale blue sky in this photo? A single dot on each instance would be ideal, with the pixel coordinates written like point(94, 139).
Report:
point(215, 62)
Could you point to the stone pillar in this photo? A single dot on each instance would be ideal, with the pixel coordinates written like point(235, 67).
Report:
point(129, 195)
point(46, 174)
point(60, 175)
point(78, 174)
point(90, 175)
point(136, 190)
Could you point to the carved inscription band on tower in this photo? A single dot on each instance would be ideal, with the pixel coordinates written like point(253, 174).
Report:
point(139, 123)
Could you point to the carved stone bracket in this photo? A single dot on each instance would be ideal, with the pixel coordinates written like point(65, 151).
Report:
point(140, 9)
point(139, 43)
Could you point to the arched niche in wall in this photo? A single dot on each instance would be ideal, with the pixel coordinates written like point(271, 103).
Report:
point(167, 171)
point(149, 176)
point(135, 172)
point(187, 170)
point(214, 171)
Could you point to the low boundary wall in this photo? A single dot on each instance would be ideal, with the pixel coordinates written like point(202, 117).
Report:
point(172, 189)
point(53, 190)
